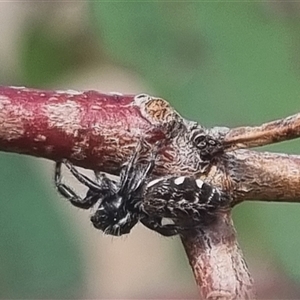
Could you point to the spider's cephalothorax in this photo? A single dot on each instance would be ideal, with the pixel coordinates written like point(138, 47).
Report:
point(139, 196)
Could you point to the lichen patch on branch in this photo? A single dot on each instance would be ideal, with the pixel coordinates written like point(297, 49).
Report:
point(10, 126)
point(65, 116)
point(158, 111)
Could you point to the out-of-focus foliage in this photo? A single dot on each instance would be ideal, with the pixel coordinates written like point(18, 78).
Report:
point(49, 53)
point(218, 63)
point(38, 257)
point(207, 57)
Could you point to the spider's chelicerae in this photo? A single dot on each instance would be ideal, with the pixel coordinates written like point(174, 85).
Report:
point(138, 196)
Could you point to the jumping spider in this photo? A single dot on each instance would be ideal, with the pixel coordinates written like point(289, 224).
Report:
point(139, 196)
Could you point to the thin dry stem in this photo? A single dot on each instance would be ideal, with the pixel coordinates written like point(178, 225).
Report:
point(268, 133)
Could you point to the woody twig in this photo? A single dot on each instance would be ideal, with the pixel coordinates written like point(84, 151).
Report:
point(100, 131)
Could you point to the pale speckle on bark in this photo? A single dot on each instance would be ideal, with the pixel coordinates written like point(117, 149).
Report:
point(70, 92)
point(10, 126)
point(65, 116)
point(78, 151)
point(49, 149)
point(40, 138)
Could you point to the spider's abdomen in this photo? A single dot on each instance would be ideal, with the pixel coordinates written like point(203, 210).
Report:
point(182, 197)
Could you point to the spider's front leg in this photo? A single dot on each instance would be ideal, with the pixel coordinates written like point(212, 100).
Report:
point(96, 191)
point(111, 216)
point(118, 209)
point(119, 213)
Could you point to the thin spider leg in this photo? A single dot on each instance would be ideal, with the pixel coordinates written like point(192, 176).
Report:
point(82, 178)
point(148, 170)
point(126, 179)
point(106, 183)
point(57, 174)
point(152, 158)
point(155, 224)
point(151, 164)
point(85, 203)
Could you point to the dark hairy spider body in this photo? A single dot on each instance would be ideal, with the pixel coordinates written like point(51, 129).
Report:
point(139, 196)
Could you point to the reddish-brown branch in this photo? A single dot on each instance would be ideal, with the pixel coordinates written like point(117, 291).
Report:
point(263, 176)
point(218, 264)
point(93, 130)
point(100, 131)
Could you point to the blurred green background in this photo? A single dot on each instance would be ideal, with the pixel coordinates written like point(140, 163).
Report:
point(219, 63)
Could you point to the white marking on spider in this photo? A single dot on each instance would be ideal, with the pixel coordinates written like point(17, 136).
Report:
point(199, 183)
point(167, 221)
point(124, 220)
point(153, 182)
point(211, 195)
point(179, 180)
